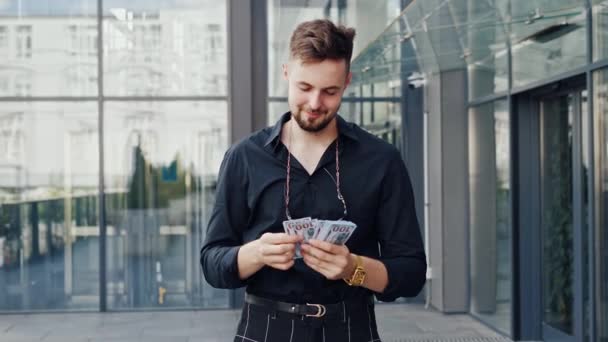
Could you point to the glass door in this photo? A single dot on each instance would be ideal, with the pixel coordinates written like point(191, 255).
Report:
point(562, 214)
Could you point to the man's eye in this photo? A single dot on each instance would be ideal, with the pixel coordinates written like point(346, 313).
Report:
point(331, 93)
point(304, 88)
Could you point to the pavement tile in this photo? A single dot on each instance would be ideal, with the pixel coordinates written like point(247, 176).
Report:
point(16, 339)
point(169, 338)
point(114, 339)
point(4, 326)
point(33, 336)
point(64, 339)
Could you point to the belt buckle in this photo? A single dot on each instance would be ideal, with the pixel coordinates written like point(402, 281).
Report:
point(321, 310)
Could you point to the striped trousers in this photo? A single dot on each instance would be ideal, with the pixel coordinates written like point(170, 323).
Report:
point(355, 323)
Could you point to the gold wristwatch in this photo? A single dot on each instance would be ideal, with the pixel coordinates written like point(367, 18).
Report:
point(358, 275)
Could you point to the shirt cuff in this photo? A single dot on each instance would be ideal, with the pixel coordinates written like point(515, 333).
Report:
point(392, 287)
point(404, 279)
point(231, 264)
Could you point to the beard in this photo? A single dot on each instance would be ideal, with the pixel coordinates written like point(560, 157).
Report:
point(313, 125)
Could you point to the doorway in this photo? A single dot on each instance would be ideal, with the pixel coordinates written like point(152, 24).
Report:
point(558, 143)
point(552, 134)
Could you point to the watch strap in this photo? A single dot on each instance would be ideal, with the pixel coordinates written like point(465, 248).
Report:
point(358, 276)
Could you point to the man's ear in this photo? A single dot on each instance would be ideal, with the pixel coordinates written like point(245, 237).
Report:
point(349, 78)
point(285, 72)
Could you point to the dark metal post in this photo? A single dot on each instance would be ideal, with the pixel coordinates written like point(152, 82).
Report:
point(247, 76)
point(101, 205)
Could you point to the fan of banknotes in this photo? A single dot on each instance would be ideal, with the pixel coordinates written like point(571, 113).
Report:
point(337, 232)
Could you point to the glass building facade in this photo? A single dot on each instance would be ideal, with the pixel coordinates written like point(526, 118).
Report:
point(115, 115)
point(534, 76)
point(121, 102)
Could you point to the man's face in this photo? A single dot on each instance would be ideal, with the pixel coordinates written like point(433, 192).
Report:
point(315, 91)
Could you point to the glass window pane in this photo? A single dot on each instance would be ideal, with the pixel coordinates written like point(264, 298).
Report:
point(366, 106)
point(351, 110)
point(600, 101)
point(548, 38)
point(600, 29)
point(556, 212)
point(161, 164)
point(49, 237)
point(48, 50)
point(385, 122)
point(486, 51)
point(490, 214)
point(439, 23)
point(165, 47)
point(275, 110)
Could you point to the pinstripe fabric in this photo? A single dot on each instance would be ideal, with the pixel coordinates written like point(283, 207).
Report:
point(352, 324)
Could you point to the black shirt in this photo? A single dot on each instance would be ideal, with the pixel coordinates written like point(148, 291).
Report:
point(250, 202)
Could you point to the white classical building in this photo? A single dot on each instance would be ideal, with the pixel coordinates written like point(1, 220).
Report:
point(46, 146)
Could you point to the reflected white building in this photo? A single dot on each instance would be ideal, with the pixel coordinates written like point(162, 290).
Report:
point(48, 147)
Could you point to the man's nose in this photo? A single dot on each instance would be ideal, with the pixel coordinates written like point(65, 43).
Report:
point(314, 102)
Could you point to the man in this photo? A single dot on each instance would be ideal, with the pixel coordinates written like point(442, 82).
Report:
point(312, 163)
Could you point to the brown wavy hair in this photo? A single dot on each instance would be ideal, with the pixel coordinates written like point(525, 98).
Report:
point(317, 40)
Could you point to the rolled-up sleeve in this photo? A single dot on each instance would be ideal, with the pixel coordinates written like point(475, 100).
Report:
point(229, 217)
point(401, 247)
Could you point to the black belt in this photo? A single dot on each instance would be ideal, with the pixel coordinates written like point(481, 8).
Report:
point(308, 310)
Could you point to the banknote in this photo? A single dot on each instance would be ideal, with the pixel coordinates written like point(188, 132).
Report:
point(322, 227)
point(298, 227)
point(338, 232)
point(311, 232)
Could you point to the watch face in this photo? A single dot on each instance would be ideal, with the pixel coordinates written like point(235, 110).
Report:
point(358, 277)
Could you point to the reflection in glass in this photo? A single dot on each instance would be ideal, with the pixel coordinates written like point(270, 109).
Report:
point(351, 110)
point(486, 48)
point(548, 38)
point(49, 241)
point(48, 50)
point(600, 29)
point(386, 122)
point(376, 74)
point(490, 214)
point(275, 110)
point(161, 166)
point(557, 212)
point(367, 107)
point(600, 100)
point(165, 48)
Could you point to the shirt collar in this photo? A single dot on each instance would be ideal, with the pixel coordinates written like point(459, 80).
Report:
point(344, 128)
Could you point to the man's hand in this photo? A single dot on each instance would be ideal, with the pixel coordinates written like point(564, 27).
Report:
point(331, 260)
point(271, 249)
point(276, 250)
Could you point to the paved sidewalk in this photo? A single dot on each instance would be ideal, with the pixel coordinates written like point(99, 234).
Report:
point(396, 322)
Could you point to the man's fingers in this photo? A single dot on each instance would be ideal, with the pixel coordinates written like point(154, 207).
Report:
point(280, 238)
point(317, 253)
point(328, 246)
point(278, 249)
point(318, 266)
point(279, 259)
point(283, 266)
point(329, 265)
